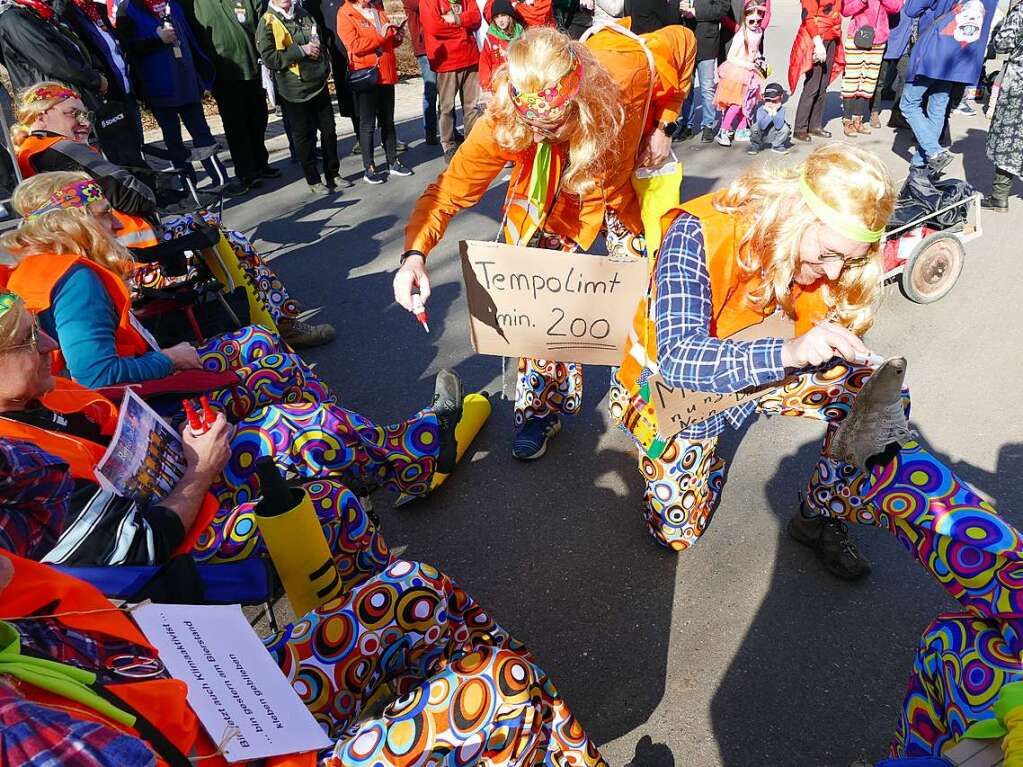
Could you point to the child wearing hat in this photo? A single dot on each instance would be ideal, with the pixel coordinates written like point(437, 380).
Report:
point(769, 128)
point(504, 29)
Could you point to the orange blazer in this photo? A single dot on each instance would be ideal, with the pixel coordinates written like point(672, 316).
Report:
point(365, 45)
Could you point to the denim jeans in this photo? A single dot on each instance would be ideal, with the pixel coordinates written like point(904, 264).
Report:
point(429, 96)
point(926, 124)
point(704, 73)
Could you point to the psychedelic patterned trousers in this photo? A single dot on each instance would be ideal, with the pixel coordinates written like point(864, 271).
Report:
point(460, 691)
point(684, 484)
point(548, 387)
point(268, 372)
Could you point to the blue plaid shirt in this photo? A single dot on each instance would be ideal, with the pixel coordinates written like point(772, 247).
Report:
point(688, 356)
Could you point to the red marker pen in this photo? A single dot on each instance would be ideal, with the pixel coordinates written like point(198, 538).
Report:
point(194, 423)
point(419, 309)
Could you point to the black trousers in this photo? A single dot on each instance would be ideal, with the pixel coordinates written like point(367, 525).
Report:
point(810, 110)
point(377, 106)
point(242, 105)
point(304, 119)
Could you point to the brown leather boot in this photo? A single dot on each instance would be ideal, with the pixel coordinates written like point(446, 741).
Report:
point(849, 128)
point(860, 126)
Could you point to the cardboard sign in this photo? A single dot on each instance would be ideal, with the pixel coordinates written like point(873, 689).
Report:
point(677, 408)
point(234, 687)
point(568, 307)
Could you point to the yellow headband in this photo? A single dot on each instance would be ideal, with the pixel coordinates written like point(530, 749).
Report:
point(838, 221)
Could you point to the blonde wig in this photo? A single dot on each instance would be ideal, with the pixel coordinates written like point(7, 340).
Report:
point(65, 231)
point(30, 105)
point(536, 61)
point(11, 312)
point(851, 181)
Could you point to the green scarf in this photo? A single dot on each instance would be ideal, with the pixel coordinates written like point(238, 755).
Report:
point(499, 33)
point(58, 678)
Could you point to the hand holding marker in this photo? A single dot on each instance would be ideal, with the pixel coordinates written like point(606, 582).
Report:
point(199, 424)
point(419, 309)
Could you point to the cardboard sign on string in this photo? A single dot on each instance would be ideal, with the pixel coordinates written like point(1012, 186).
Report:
point(542, 304)
point(677, 408)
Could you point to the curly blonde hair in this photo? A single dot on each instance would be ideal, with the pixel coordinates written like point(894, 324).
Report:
point(852, 181)
point(66, 231)
point(595, 117)
point(27, 111)
point(10, 323)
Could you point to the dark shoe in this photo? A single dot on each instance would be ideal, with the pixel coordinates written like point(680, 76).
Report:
point(708, 135)
point(877, 418)
point(449, 153)
point(683, 134)
point(401, 146)
point(939, 162)
point(829, 538)
point(802, 135)
point(331, 184)
point(235, 188)
point(821, 133)
point(997, 204)
point(447, 407)
point(432, 139)
point(398, 169)
point(302, 335)
point(269, 172)
point(252, 183)
point(531, 440)
point(373, 176)
point(356, 150)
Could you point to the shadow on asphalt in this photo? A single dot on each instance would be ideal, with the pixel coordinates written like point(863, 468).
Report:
point(815, 680)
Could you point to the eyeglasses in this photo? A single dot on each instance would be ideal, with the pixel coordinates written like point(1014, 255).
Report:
point(83, 116)
point(33, 340)
point(827, 255)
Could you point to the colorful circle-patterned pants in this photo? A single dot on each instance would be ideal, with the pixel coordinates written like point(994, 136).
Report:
point(459, 689)
point(683, 486)
point(268, 372)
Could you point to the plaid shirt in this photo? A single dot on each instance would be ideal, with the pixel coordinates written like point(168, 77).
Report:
point(35, 489)
point(37, 735)
point(687, 355)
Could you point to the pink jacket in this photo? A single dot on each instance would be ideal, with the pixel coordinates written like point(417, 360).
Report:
point(872, 13)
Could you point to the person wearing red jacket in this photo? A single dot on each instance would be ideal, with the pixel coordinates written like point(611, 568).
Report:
point(503, 31)
point(449, 31)
point(415, 31)
point(532, 13)
point(370, 39)
point(817, 54)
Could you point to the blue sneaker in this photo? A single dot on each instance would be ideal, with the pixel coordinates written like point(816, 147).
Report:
point(531, 440)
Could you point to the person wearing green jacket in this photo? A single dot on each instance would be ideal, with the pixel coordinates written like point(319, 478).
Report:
point(227, 28)
point(288, 41)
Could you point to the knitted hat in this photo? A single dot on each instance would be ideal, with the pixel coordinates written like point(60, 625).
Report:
point(501, 6)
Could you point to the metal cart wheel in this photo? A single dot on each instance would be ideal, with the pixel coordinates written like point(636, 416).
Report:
point(933, 268)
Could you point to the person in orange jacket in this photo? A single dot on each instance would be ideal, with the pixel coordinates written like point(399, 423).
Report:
point(416, 636)
point(574, 125)
point(370, 39)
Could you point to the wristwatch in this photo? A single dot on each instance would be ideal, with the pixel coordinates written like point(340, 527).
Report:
point(407, 253)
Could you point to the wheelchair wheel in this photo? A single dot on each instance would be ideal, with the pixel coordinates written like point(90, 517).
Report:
point(933, 268)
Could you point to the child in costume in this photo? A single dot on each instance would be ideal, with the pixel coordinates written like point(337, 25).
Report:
point(504, 29)
point(741, 77)
point(768, 127)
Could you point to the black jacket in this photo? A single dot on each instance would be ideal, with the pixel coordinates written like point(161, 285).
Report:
point(651, 15)
point(35, 49)
point(706, 25)
point(89, 36)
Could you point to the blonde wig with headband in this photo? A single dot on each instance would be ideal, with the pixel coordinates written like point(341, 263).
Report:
point(593, 120)
point(845, 187)
point(32, 102)
point(63, 230)
point(11, 307)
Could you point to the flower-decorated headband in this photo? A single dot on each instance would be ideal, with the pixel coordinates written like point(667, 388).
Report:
point(549, 104)
point(8, 301)
point(77, 195)
point(47, 92)
point(840, 222)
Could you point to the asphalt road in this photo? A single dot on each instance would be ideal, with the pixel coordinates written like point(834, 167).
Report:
point(742, 651)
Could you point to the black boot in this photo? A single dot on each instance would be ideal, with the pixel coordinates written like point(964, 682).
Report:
point(998, 200)
point(829, 538)
point(447, 406)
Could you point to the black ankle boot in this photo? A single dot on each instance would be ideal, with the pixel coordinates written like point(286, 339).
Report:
point(447, 407)
point(829, 539)
point(998, 200)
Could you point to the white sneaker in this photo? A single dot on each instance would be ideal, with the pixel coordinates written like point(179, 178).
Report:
point(742, 135)
point(724, 138)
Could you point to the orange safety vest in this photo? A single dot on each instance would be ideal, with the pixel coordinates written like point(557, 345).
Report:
point(82, 455)
point(135, 232)
point(162, 702)
point(34, 278)
point(731, 312)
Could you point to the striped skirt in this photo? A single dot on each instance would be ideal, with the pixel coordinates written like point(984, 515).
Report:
point(861, 70)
